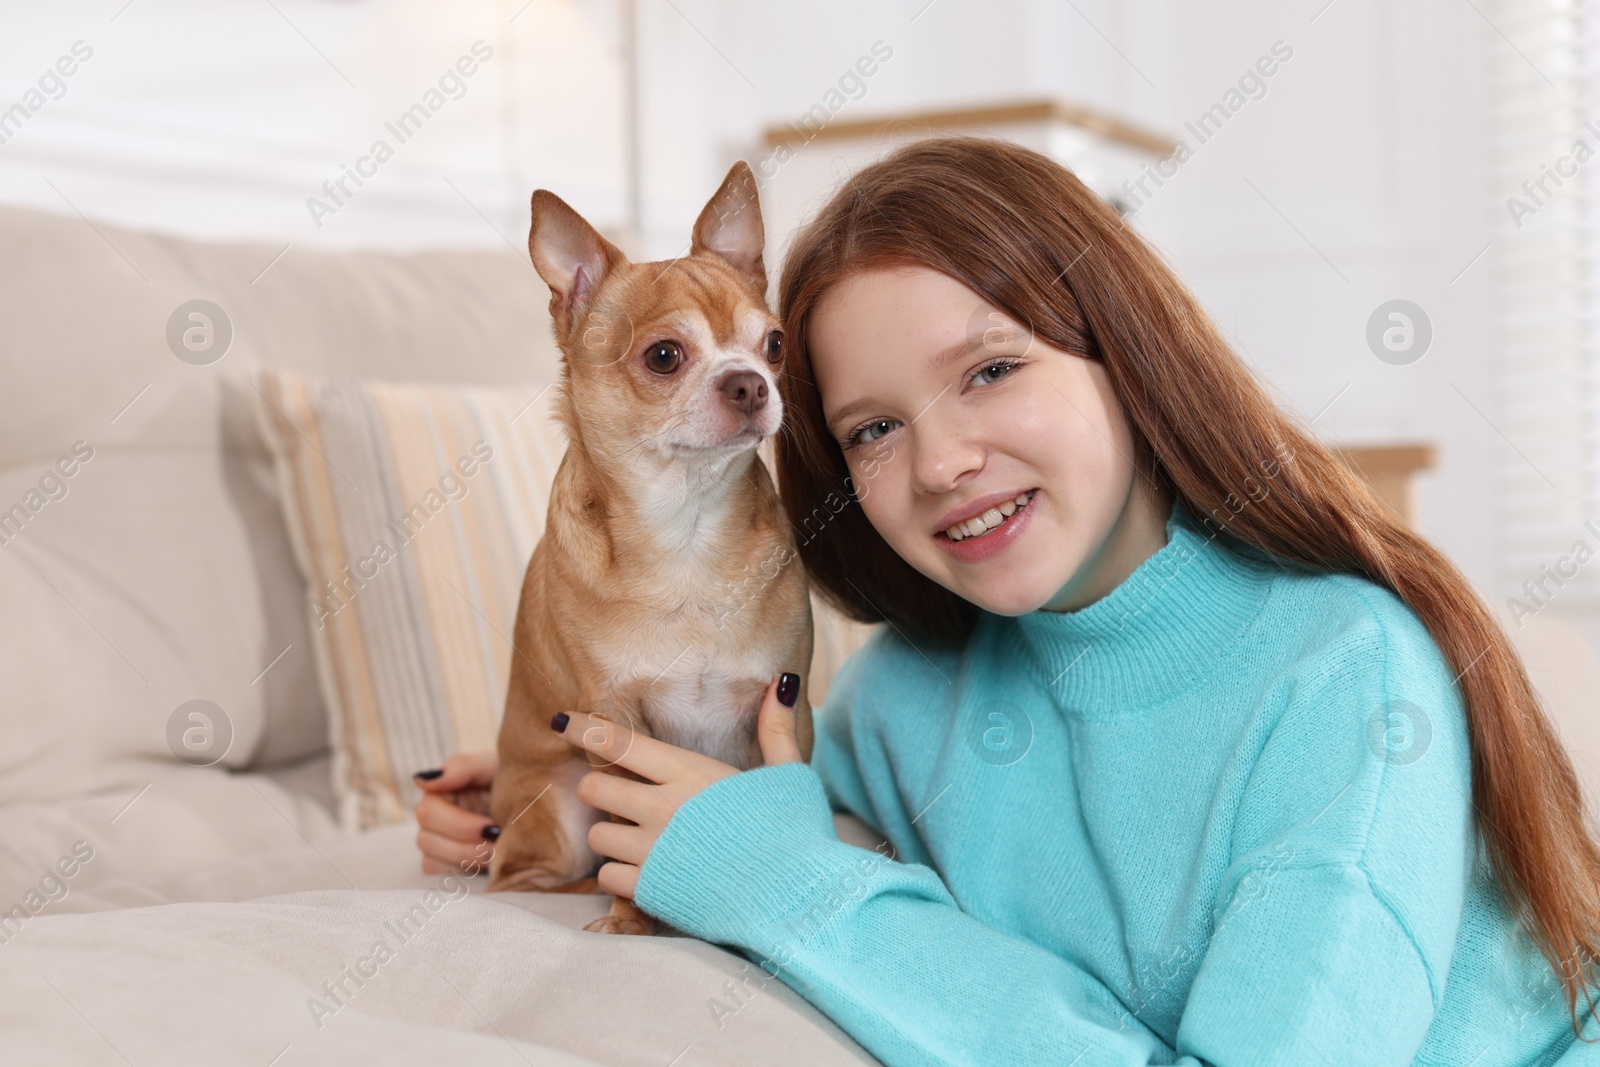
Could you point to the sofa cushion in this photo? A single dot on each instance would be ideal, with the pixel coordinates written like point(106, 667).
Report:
point(160, 571)
point(413, 511)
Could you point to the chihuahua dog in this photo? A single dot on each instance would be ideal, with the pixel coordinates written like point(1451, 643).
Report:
point(666, 592)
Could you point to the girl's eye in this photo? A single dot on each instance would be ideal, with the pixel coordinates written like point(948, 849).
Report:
point(856, 434)
point(877, 429)
point(1005, 366)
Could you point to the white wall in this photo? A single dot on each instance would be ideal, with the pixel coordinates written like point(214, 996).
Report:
point(224, 119)
point(1358, 178)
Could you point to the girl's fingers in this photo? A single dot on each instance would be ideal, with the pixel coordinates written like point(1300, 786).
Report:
point(444, 818)
point(615, 795)
point(453, 854)
point(625, 747)
point(775, 729)
point(464, 770)
point(477, 801)
point(618, 879)
point(619, 841)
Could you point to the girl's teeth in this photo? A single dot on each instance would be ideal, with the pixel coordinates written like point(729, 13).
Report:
point(988, 520)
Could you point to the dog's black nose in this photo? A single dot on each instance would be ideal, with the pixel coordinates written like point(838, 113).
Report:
point(745, 390)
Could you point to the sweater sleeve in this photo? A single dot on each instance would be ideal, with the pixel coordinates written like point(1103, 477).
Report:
point(1315, 959)
point(833, 750)
point(878, 946)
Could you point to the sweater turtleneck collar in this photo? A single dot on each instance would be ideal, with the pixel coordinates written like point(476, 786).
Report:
point(1162, 630)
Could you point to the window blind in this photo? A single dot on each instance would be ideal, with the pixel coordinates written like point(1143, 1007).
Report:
point(1543, 136)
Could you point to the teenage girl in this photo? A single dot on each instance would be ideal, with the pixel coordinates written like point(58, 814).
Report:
point(1187, 750)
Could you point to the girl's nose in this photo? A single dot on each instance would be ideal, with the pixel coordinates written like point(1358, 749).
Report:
point(942, 452)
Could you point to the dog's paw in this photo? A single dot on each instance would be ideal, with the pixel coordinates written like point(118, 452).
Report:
point(615, 924)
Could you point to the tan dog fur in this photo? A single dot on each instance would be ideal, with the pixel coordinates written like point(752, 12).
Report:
point(665, 593)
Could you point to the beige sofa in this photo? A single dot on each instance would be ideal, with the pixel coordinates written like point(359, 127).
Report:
point(207, 906)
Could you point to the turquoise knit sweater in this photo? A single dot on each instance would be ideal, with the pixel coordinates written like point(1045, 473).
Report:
point(1220, 816)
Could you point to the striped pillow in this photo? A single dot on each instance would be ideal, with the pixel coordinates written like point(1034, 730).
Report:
point(412, 510)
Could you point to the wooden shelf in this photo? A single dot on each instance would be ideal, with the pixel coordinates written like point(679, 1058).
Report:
point(1041, 110)
point(1388, 470)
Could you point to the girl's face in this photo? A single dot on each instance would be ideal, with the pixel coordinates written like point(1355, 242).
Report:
point(946, 408)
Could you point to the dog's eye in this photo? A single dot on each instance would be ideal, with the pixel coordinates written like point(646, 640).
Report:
point(774, 346)
point(663, 357)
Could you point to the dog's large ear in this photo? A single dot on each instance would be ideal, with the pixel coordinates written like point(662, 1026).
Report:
point(730, 226)
point(570, 255)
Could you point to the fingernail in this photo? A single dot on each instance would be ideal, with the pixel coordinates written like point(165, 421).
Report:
point(430, 775)
point(788, 689)
point(491, 832)
point(558, 722)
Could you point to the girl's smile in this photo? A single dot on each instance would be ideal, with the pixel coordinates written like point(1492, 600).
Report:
point(1003, 524)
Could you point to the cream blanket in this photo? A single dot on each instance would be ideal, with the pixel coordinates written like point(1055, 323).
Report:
point(340, 951)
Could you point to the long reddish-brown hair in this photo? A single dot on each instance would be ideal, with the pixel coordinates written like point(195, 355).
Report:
point(1033, 241)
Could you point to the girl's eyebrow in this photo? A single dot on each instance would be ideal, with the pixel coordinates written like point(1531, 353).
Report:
point(944, 356)
point(954, 352)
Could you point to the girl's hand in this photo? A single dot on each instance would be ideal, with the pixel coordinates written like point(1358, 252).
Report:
point(673, 776)
point(450, 827)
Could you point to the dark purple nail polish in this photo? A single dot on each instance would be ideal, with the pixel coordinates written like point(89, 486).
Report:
point(430, 775)
point(491, 833)
point(558, 722)
point(788, 688)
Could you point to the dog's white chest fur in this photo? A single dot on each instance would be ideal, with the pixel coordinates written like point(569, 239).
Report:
point(702, 712)
point(692, 693)
point(697, 681)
